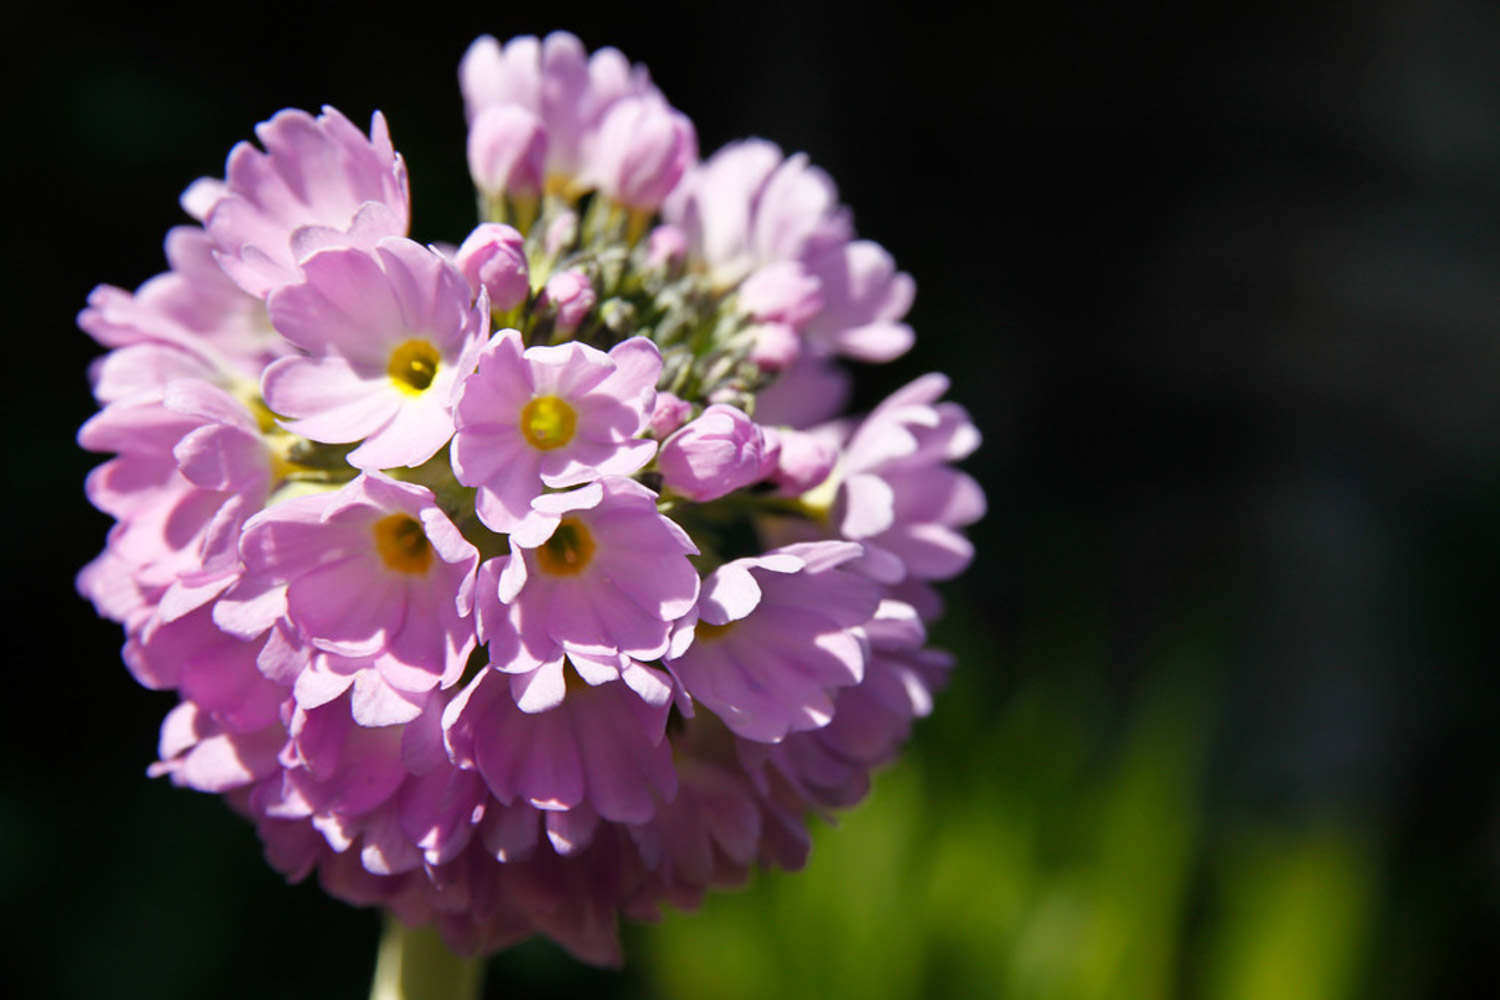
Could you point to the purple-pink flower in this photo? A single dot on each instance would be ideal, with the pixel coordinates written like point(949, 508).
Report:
point(599, 577)
point(316, 174)
point(521, 633)
point(774, 638)
point(387, 334)
point(535, 418)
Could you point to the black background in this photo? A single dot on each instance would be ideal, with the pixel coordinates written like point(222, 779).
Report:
point(1220, 284)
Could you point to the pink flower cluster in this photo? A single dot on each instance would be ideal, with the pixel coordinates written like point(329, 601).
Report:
point(523, 586)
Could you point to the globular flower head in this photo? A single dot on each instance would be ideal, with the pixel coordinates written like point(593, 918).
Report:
point(518, 634)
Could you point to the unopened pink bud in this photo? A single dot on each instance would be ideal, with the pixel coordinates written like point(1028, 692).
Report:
point(668, 414)
point(775, 347)
point(507, 151)
point(715, 455)
point(561, 232)
point(493, 257)
point(570, 293)
point(665, 246)
point(644, 147)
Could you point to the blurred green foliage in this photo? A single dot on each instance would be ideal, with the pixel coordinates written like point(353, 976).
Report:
point(1068, 859)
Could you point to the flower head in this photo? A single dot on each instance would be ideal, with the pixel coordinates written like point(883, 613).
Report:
point(517, 633)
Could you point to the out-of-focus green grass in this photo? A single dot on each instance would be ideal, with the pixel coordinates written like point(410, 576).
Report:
point(1067, 857)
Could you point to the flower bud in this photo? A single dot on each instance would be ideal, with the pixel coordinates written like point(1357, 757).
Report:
point(803, 460)
point(714, 455)
point(668, 414)
point(570, 293)
point(493, 257)
point(644, 146)
point(775, 347)
point(561, 232)
point(665, 247)
point(507, 152)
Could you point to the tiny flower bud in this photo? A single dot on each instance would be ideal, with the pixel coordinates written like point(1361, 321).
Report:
point(715, 455)
point(643, 148)
point(507, 151)
point(494, 258)
point(775, 347)
point(561, 232)
point(669, 414)
point(665, 247)
point(570, 293)
point(802, 460)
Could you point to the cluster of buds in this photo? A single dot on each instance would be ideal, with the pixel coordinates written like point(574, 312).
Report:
point(524, 584)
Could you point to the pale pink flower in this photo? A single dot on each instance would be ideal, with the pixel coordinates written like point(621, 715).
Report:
point(550, 417)
point(388, 333)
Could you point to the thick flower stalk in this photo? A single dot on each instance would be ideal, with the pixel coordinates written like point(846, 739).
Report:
point(522, 586)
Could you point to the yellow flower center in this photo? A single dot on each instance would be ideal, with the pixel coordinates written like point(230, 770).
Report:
point(705, 630)
point(547, 422)
point(402, 543)
point(414, 364)
point(569, 550)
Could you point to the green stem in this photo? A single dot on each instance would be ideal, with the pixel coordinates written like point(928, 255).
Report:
point(414, 964)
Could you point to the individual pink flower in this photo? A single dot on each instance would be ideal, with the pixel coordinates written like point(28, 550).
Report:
point(214, 670)
point(599, 578)
point(831, 766)
point(714, 455)
point(774, 228)
point(642, 149)
point(192, 309)
point(897, 489)
point(319, 172)
point(208, 754)
point(493, 258)
point(550, 417)
point(389, 332)
point(375, 573)
point(507, 152)
point(604, 748)
point(863, 298)
point(746, 207)
point(721, 821)
point(773, 639)
point(556, 80)
point(191, 468)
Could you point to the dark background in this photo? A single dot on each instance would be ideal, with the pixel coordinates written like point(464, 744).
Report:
point(1218, 283)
